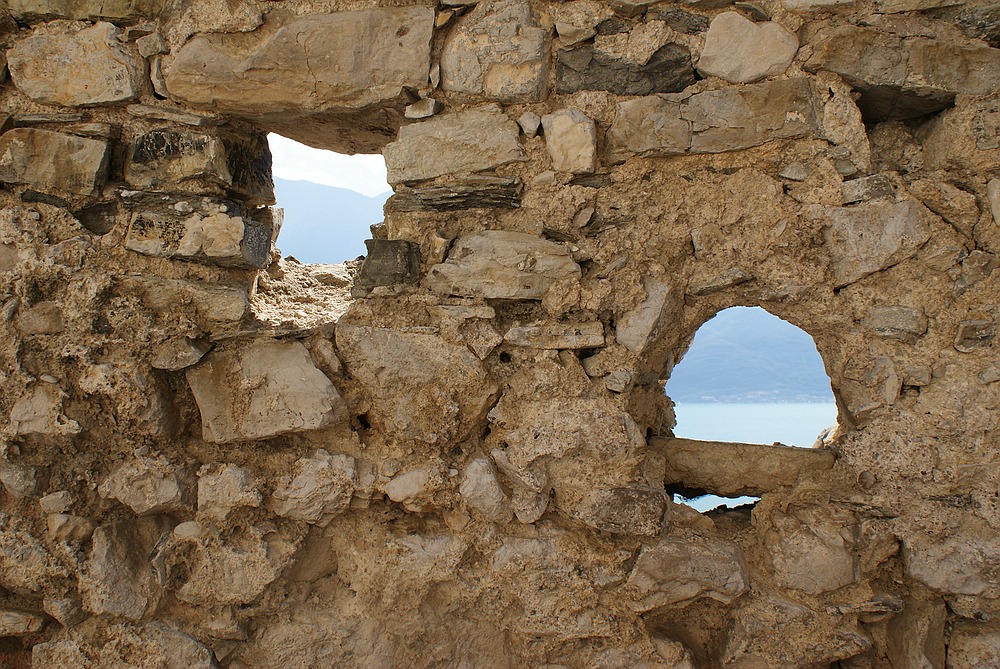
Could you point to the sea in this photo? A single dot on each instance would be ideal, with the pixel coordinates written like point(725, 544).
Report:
point(792, 424)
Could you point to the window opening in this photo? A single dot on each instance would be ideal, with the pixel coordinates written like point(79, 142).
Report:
point(330, 200)
point(750, 377)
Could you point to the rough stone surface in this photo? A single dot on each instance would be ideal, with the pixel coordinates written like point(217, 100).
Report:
point(675, 572)
point(812, 549)
point(117, 580)
point(571, 139)
point(53, 161)
point(287, 393)
point(149, 486)
point(320, 487)
point(229, 488)
point(973, 646)
point(588, 68)
point(741, 51)
point(38, 67)
point(214, 238)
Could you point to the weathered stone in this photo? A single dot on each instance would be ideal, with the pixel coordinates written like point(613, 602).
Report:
point(65, 527)
point(530, 123)
point(19, 623)
point(26, 566)
point(422, 108)
point(973, 646)
point(410, 486)
point(41, 319)
point(952, 204)
point(587, 68)
point(117, 580)
point(809, 6)
point(637, 328)
point(319, 488)
point(809, 638)
point(811, 548)
point(468, 141)
point(679, 20)
point(164, 159)
point(179, 650)
point(901, 78)
point(897, 322)
point(991, 374)
point(472, 192)
point(863, 189)
point(39, 412)
point(67, 611)
point(571, 139)
point(871, 237)
point(649, 126)
point(41, 66)
point(733, 469)
point(150, 485)
point(916, 636)
point(481, 490)
point(993, 195)
point(557, 335)
point(179, 353)
point(52, 161)
point(290, 69)
point(741, 51)
point(225, 489)
point(975, 334)
point(218, 239)
point(434, 392)
point(497, 52)
point(173, 115)
point(57, 654)
point(706, 286)
point(626, 510)
point(976, 267)
point(20, 480)
point(678, 571)
point(389, 262)
point(57, 502)
point(260, 390)
point(951, 565)
point(502, 264)
point(85, 9)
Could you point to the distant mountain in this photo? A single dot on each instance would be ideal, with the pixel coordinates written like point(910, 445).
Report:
point(324, 224)
point(748, 355)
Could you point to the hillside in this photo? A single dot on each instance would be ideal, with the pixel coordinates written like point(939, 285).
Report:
point(324, 224)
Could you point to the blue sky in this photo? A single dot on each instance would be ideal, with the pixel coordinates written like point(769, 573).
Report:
point(364, 174)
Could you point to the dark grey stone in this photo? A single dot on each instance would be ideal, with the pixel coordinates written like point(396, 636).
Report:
point(389, 262)
point(978, 22)
point(975, 334)
point(591, 180)
point(473, 193)
point(679, 20)
point(588, 69)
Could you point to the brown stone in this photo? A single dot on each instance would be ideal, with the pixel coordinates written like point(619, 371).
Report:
point(52, 161)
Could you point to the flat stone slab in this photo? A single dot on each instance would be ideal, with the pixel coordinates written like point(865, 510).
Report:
point(734, 469)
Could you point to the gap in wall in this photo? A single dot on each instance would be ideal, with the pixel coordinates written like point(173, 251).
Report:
point(750, 377)
point(330, 200)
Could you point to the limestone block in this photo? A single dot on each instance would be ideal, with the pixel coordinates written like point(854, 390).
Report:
point(741, 51)
point(502, 264)
point(57, 654)
point(389, 262)
point(261, 390)
point(42, 318)
point(26, 566)
point(481, 490)
point(319, 488)
point(916, 636)
point(571, 139)
point(897, 322)
point(589, 68)
point(678, 571)
point(806, 637)
point(867, 188)
point(66, 610)
point(811, 548)
point(637, 328)
point(166, 158)
point(973, 646)
point(117, 580)
point(496, 51)
point(954, 205)
point(993, 195)
point(217, 303)
point(974, 334)
point(954, 565)
point(410, 486)
point(39, 412)
point(85, 9)
point(557, 335)
point(477, 139)
point(976, 267)
point(150, 485)
point(216, 238)
point(871, 237)
point(649, 126)
point(901, 78)
point(179, 353)
point(14, 622)
point(53, 161)
point(433, 391)
point(20, 480)
point(290, 69)
point(220, 490)
point(810, 6)
point(46, 67)
point(630, 510)
point(66, 527)
point(732, 470)
point(474, 192)
point(179, 650)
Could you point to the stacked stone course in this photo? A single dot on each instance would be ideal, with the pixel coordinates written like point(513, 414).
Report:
point(458, 453)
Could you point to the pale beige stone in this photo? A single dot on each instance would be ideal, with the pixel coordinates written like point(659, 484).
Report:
point(215, 303)
point(66, 527)
point(45, 67)
point(811, 548)
point(917, 635)
point(481, 490)
point(39, 412)
point(557, 336)
point(228, 488)
point(262, 389)
point(741, 51)
point(649, 126)
point(319, 488)
point(993, 195)
point(973, 646)
point(571, 138)
point(677, 571)
point(53, 161)
point(150, 485)
point(117, 580)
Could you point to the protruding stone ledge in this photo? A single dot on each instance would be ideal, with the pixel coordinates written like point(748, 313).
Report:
point(734, 469)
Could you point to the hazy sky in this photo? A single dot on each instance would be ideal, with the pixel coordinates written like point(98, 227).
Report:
point(297, 162)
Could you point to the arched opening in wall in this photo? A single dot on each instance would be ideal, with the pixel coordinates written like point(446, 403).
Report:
point(750, 378)
point(330, 200)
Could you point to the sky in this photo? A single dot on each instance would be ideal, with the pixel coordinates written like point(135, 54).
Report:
point(364, 174)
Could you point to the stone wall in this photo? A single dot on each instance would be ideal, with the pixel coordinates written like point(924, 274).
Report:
point(459, 453)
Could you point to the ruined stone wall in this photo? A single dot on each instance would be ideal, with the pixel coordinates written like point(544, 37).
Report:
point(459, 453)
